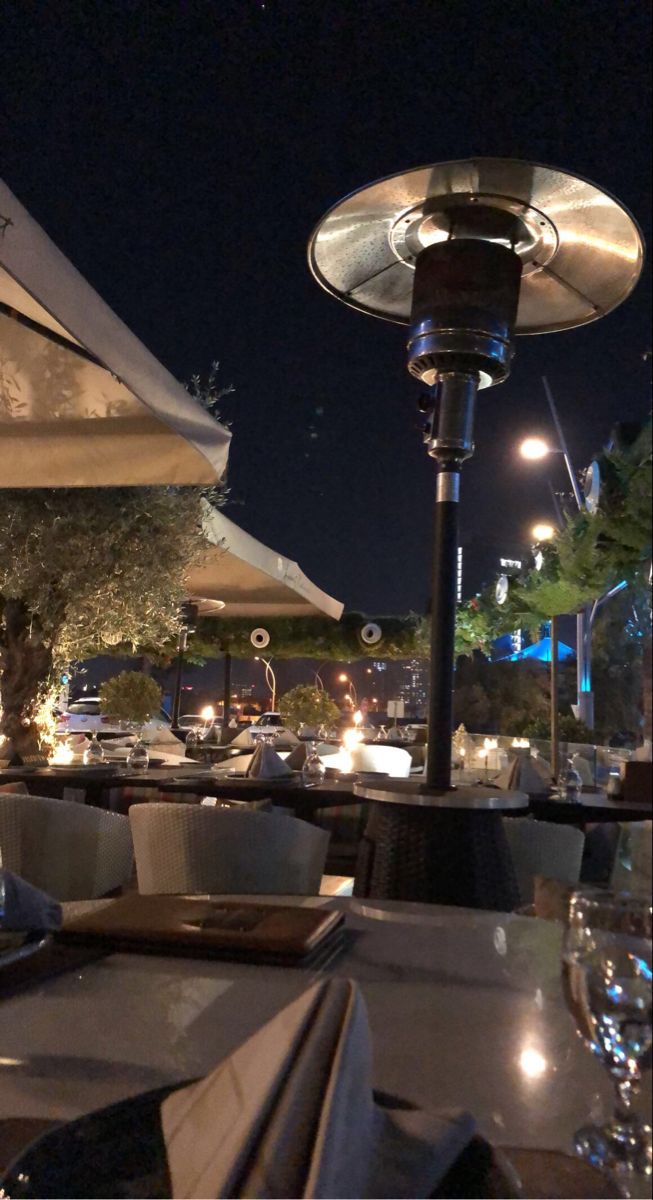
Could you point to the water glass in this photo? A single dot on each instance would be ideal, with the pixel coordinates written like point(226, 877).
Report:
point(313, 770)
point(94, 754)
point(138, 758)
point(571, 784)
point(606, 974)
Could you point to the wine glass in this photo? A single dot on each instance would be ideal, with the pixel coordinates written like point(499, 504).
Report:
point(571, 783)
point(138, 758)
point(93, 755)
point(606, 973)
point(313, 770)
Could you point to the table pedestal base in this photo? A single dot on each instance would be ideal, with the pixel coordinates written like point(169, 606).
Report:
point(431, 852)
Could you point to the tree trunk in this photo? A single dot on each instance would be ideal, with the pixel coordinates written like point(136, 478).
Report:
point(25, 664)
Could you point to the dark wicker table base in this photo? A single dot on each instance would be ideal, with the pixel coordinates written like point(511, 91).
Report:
point(436, 856)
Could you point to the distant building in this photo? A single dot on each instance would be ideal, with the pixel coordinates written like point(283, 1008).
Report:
point(413, 689)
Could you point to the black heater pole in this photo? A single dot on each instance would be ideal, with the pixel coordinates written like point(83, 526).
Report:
point(455, 399)
point(465, 298)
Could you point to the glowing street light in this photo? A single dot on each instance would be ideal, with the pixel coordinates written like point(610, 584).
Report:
point(349, 681)
point(534, 448)
point(543, 532)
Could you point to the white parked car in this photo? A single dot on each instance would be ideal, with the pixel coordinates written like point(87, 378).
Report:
point(84, 716)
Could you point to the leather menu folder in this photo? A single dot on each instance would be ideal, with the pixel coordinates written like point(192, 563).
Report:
point(210, 928)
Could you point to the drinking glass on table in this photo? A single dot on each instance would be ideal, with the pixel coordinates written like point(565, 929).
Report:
point(606, 973)
point(313, 770)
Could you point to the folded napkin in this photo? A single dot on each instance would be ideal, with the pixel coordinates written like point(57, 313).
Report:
point(25, 908)
point(77, 741)
point(525, 774)
point(266, 764)
point(291, 1113)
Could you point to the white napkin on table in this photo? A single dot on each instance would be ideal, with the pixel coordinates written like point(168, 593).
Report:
point(525, 774)
point(266, 764)
point(24, 908)
point(291, 1113)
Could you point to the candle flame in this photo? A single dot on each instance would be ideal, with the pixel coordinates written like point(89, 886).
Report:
point(351, 738)
point(63, 754)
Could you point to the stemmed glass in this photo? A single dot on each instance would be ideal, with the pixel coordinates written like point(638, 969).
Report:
point(313, 770)
point(606, 972)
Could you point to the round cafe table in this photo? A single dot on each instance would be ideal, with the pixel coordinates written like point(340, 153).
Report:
point(437, 847)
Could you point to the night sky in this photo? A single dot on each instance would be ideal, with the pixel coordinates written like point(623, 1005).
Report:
point(180, 155)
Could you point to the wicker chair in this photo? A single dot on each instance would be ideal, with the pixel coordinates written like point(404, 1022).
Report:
point(543, 848)
point(71, 851)
point(196, 849)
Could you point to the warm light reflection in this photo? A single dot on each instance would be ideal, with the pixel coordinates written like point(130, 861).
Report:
point(500, 941)
point(490, 744)
point(351, 738)
point(532, 1063)
point(520, 743)
point(358, 718)
point(542, 532)
point(630, 254)
point(534, 448)
point(62, 755)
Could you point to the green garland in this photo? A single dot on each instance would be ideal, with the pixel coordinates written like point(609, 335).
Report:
point(301, 637)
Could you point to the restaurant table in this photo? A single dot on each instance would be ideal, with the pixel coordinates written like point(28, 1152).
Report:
point(592, 808)
point(46, 781)
point(304, 801)
point(465, 1007)
point(438, 847)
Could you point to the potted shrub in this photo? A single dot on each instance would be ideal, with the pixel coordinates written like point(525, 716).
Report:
point(306, 705)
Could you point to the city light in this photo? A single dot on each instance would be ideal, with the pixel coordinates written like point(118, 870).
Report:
point(534, 448)
point(208, 713)
point(352, 697)
point(543, 532)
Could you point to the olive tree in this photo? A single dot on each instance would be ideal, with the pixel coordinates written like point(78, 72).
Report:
point(83, 569)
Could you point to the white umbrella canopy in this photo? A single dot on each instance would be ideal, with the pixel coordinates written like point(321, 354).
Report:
point(82, 402)
point(250, 580)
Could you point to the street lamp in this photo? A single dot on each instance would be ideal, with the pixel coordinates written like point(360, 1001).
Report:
point(543, 532)
point(270, 679)
point(534, 448)
point(352, 690)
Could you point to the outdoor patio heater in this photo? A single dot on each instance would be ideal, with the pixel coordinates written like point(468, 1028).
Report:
point(469, 254)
